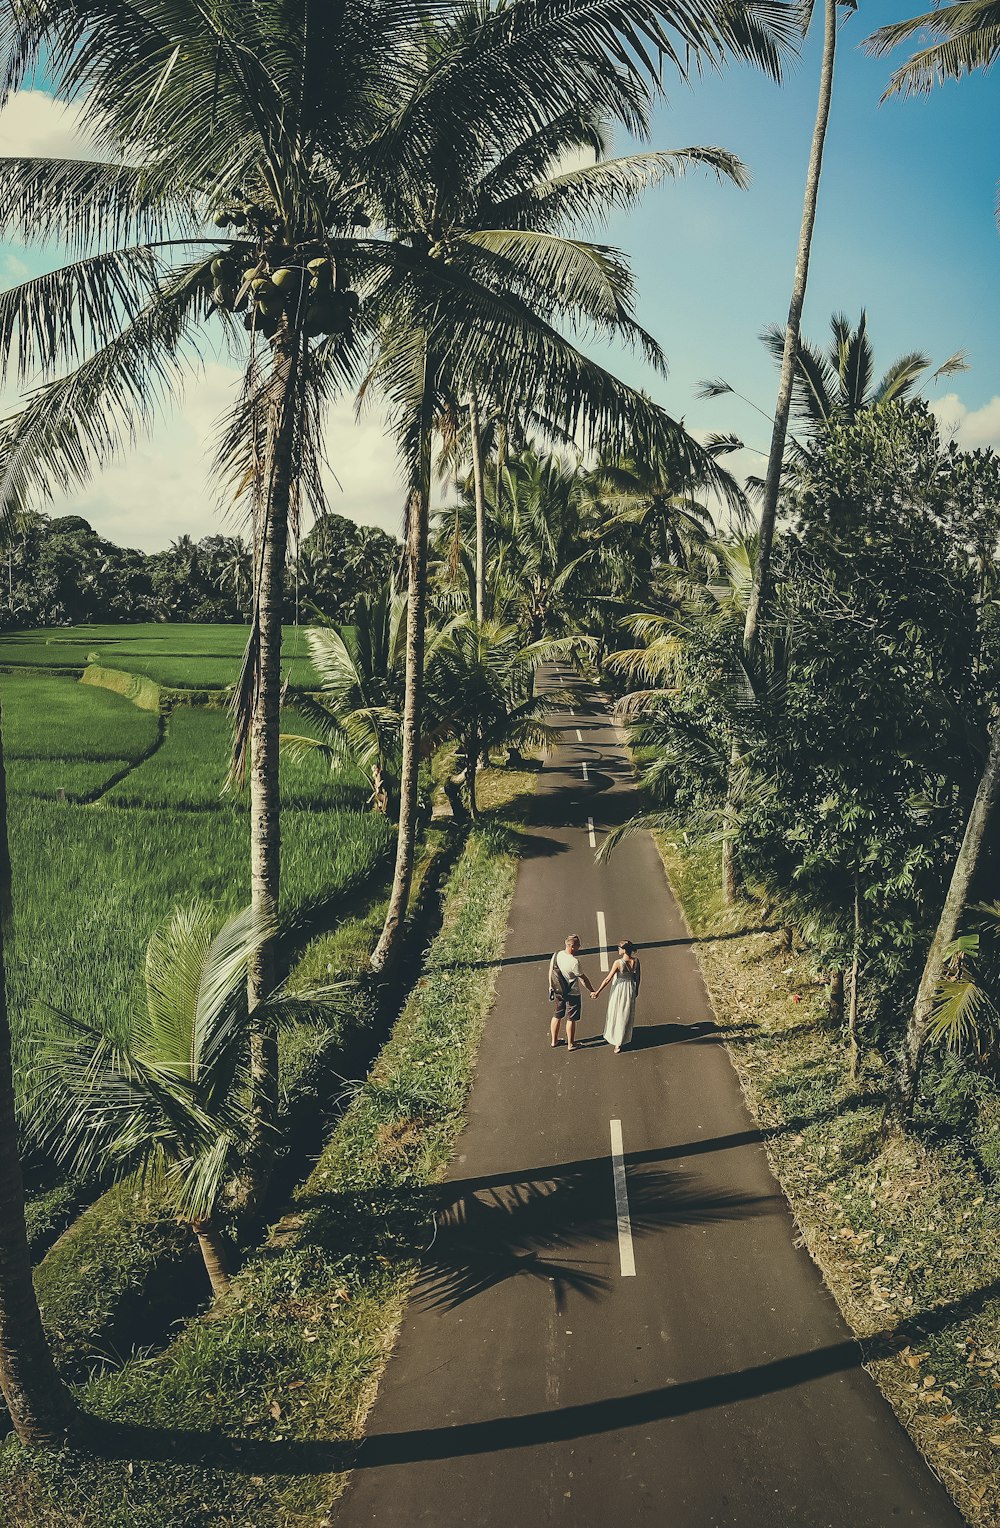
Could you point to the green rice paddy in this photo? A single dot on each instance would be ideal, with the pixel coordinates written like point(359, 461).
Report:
point(116, 814)
point(179, 656)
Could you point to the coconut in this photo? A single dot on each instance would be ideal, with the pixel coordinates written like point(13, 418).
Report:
point(222, 220)
point(360, 218)
point(223, 296)
point(285, 277)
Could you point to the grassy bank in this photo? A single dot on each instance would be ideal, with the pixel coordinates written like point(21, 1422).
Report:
point(263, 1399)
point(905, 1231)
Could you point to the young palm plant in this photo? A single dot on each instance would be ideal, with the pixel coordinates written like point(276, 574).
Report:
point(358, 716)
point(169, 1099)
point(480, 692)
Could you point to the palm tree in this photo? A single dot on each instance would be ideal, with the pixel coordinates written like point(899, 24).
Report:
point(249, 128)
point(968, 1001)
point(479, 691)
point(921, 1021)
point(167, 1100)
point(968, 33)
point(358, 717)
point(41, 1408)
point(776, 455)
point(254, 120)
point(839, 383)
point(509, 285)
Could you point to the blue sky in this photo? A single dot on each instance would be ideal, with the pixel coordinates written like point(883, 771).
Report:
point(906, 229)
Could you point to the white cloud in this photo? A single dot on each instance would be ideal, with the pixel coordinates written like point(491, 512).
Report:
point(162, 490)
point(36, 124)
point(971, 428)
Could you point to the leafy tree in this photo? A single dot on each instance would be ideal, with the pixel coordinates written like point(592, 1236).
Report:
point(967, 40)
point(509, 287)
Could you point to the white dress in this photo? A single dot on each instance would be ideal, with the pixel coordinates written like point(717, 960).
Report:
point(621, 1007)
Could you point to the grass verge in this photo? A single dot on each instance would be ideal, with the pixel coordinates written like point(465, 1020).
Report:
point(262, 1400)
point(905, 1232)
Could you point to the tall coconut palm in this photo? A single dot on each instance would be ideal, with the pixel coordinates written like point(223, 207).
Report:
point(510, 284)
point(223, 200)
point(41, 1408)
point(790, 346)
point(840, 382)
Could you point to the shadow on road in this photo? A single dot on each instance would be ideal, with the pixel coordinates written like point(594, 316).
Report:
point(252, 1456)
point(530, 1228)
point(595, 949)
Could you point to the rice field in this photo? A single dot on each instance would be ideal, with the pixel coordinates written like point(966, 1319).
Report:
point(179, 656)
point(92, 880)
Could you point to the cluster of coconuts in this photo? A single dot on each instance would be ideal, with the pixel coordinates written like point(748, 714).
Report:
point(301, 281)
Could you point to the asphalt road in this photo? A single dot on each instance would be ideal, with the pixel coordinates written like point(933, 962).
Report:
point(537, 1380)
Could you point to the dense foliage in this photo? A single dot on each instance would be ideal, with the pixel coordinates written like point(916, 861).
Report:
point(57, 571)
point(860, 726)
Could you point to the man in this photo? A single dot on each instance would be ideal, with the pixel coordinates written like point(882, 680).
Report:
point(564, 978)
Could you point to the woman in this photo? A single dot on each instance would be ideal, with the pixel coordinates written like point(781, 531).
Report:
point(624, 978)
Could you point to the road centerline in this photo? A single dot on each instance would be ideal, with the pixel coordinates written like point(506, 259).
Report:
point(579, 735)
point(626, 1251)
point(602, 941)
point(583, 766)
point(590, 830)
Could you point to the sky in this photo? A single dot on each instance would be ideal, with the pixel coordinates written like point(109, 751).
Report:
point(906, 230)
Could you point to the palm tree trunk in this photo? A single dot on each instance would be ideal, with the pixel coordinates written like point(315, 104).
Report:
point(772, 482)
point(265, 726)
point(480, 493)
point(835, 997)
point(418, 508)
point(852, 1010)
point(947, 930)
point(41, 1408)
point(215, 1255)
point(472, 770)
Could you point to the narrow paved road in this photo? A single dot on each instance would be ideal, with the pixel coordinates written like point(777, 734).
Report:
point(537, 1379)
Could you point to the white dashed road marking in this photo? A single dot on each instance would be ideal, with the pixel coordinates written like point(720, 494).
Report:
point(602, 941)
point(626, 1252)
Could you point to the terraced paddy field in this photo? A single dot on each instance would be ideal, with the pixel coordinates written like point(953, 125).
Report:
point(142, 823)
point(179, 656)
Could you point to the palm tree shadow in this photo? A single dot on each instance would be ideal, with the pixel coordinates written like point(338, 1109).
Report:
point(536, 1227)
point(249, 1455)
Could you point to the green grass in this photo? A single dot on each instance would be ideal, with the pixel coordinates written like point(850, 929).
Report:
point(178, 655)
point(905, 1230)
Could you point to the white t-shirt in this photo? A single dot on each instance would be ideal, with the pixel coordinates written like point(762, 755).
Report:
point(569, 967)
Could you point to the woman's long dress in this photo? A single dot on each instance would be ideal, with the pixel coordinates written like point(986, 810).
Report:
point(621, 1009)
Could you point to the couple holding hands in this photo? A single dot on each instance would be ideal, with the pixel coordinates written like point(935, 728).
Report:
point(565, 977)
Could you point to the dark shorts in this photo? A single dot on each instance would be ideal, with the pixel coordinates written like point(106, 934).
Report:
point(568, 1007)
